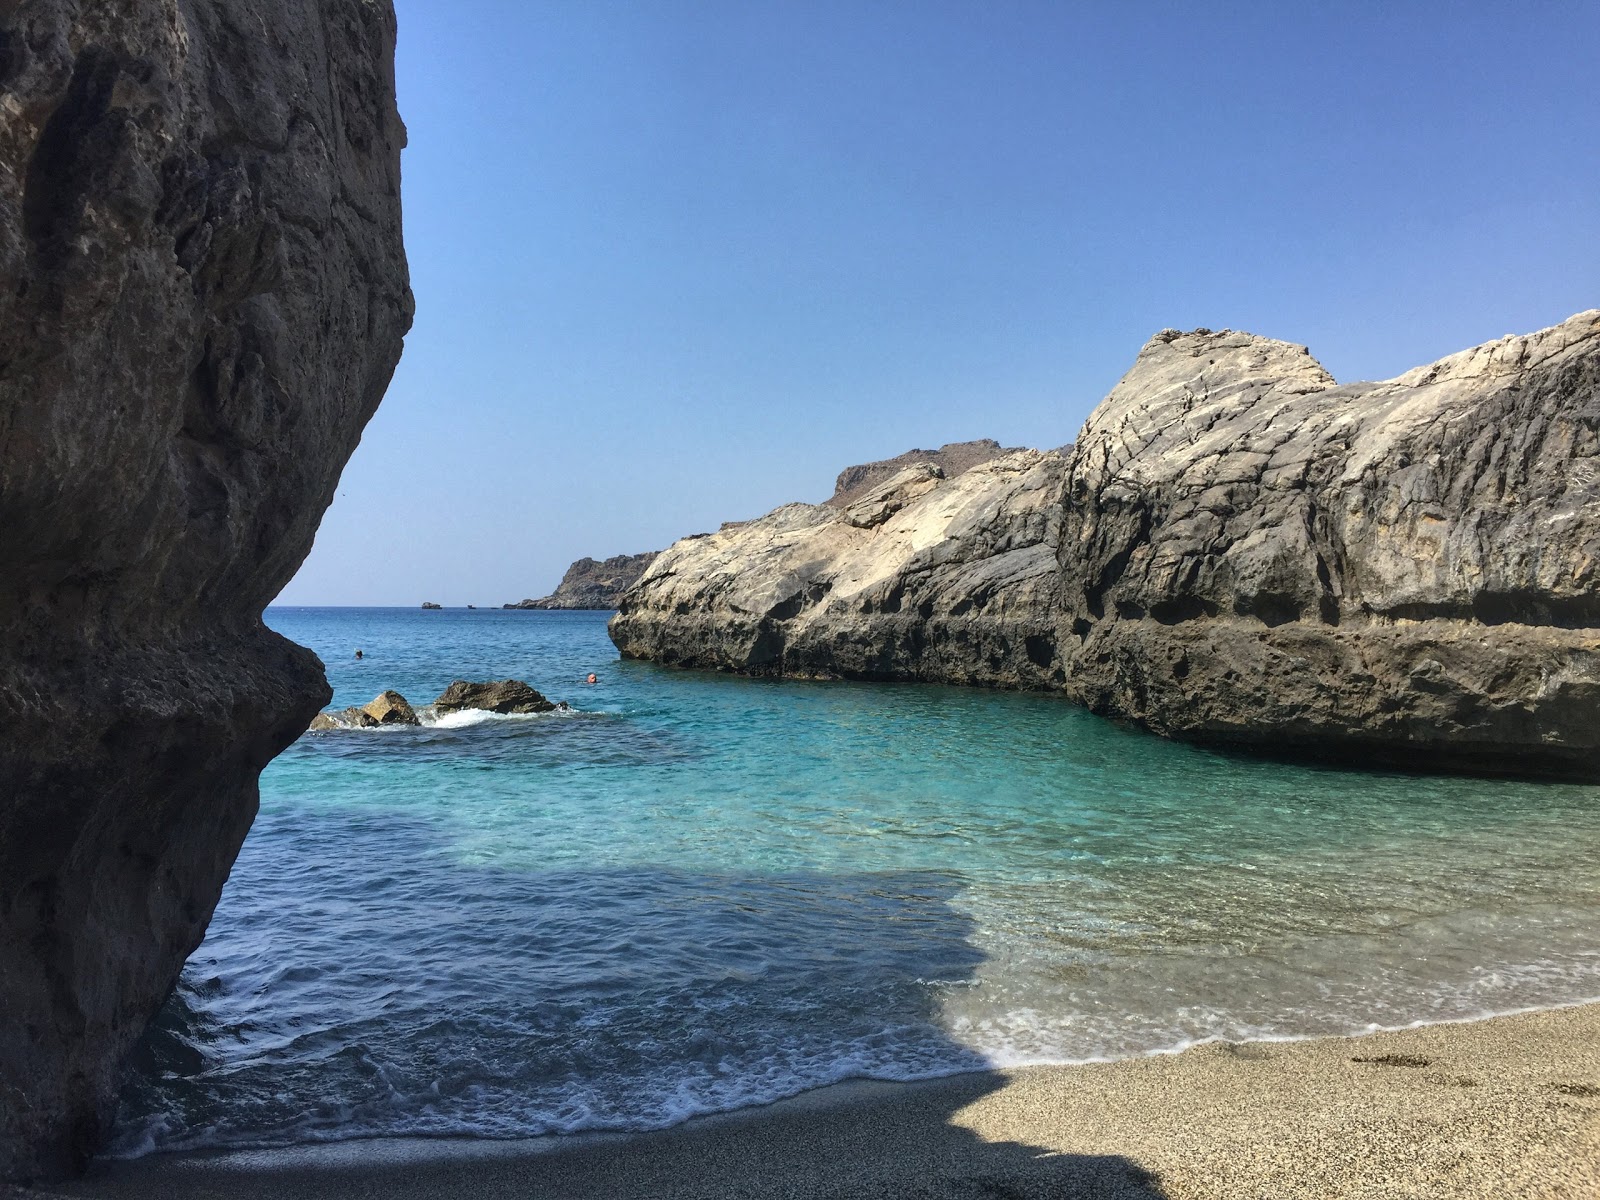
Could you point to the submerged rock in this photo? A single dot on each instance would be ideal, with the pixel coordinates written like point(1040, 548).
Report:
point(920, 577)
point(590, 584)
point(202, 296)
point(1404, 572)
point(1236, 550)
point(505, 696)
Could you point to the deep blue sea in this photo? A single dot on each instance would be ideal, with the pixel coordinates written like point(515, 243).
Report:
point(696, 892)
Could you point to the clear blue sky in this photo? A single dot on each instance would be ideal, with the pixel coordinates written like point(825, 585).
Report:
point(677, 263)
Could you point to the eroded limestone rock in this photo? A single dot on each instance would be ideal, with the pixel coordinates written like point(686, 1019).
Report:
point(952, 459)
point(1400, 572)
point(202, 297)
point(921, 577)
point(1236, 550)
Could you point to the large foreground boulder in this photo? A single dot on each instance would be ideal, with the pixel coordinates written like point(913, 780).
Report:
point(202, 298)
point(1404, 572)
point(920, 577)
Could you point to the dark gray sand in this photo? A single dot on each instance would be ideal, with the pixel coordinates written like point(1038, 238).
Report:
point(1505, 1108)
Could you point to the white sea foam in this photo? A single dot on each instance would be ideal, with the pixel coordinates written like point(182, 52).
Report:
point(464, 718)
point(467, 717)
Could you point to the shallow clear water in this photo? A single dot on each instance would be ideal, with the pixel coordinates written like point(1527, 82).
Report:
point(701, 892)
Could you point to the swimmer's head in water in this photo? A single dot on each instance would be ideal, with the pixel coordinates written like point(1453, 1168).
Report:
point(593, 678)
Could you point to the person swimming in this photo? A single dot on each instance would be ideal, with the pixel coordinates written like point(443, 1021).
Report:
point(358, 652)
point(593, 678)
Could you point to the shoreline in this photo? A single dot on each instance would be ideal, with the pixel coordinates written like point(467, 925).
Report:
point(1501, 1107)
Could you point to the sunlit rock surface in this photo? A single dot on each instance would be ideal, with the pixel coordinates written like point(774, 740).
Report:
point(202, 298)
point(952, 459)
point(1236, 550)
point(921, 577)
point(1400, 572)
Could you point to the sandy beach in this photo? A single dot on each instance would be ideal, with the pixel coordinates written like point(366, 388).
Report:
point(1502, 1108)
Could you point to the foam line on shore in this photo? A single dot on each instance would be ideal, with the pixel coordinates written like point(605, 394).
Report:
point(1504, 1108)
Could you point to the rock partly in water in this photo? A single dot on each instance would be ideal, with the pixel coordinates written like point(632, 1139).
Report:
point(1236, 551)
point(505, 696)
point(390, 708)
point(591, 584)
point(952, 459)
point(202, 298)
point(920, 577)
point(1401, 573)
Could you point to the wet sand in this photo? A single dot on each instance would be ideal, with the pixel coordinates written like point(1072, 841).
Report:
point(1502, 1109)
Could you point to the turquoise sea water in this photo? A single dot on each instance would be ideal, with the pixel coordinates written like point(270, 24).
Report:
point(698, 892)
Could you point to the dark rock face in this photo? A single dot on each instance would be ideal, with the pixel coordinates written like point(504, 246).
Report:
point(202, 298)
point(506, 696)
point(591, 584)
point(1404, 572)
point(952, 459)
point(922, 577)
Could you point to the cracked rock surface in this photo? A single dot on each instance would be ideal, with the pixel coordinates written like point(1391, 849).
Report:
point(202, 298)
point(1236, 550)
point(920, 577)
point(1401, 572)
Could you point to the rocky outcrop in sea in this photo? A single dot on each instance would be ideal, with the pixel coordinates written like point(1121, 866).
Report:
point(1235, 551)
point(504, 697)
point(202, 298)
point(921, 577)
point(1405, 572)
point(591, 584)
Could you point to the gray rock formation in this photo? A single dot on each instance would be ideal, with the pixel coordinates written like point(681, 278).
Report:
point(591, 584)
point(202, 298)
point(922, 577)
point(952, 459)
point(505, 697)
point(1401, 572)
point(1236, 551)
point(431, 604)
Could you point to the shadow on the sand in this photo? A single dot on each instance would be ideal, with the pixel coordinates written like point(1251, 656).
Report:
point(517, 956)
point(889, 1141)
